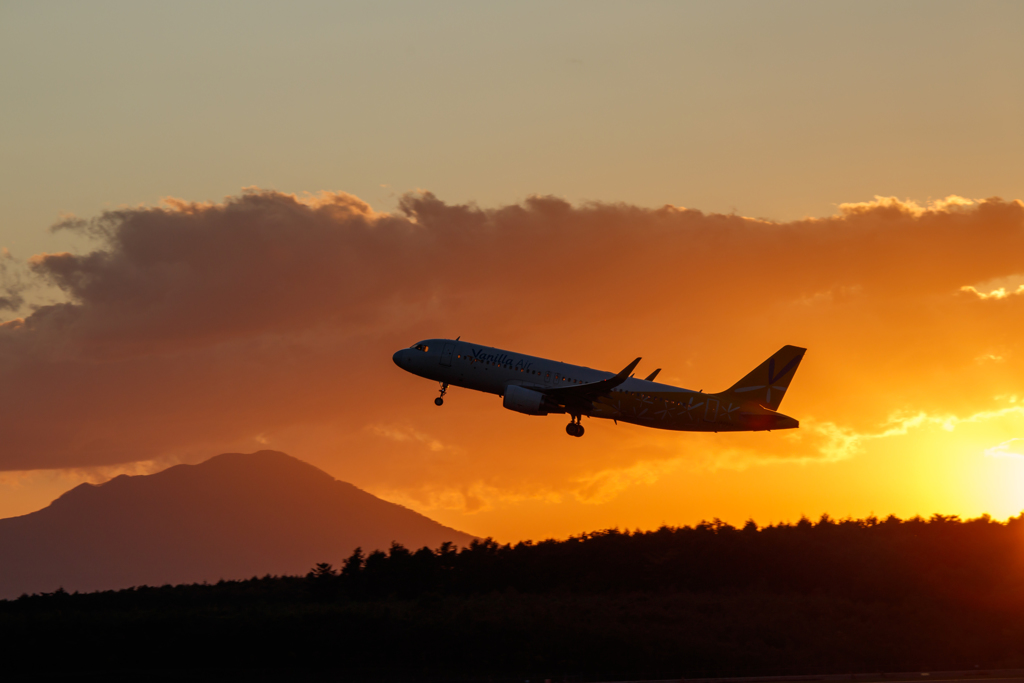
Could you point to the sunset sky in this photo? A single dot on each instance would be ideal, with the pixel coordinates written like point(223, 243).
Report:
point(221, 219)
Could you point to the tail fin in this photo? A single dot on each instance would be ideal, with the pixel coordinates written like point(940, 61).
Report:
point(768, 382)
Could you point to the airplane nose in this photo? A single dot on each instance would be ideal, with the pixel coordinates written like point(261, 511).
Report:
point(398, 357)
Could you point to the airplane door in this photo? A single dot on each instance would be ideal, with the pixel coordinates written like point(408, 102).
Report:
point(446, 355)
point(711, 412)
point(547, 377)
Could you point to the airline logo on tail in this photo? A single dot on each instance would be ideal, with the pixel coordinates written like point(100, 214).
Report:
point(765, 378)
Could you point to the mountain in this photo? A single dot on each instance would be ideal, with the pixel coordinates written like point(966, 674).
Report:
point(233, 517)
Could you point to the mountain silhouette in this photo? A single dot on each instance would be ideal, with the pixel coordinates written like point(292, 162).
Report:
point(232, 517)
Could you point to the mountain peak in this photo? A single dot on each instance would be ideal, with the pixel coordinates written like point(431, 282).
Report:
point(233, 516)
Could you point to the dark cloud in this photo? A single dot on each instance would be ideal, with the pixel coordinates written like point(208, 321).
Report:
point(198, 328)
point(12, 286)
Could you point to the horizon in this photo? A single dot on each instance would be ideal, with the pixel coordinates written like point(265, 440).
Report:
point(824, 517)
point(713, 521)
point(222, 221)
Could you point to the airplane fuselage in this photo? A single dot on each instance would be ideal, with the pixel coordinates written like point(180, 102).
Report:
point(642, 402)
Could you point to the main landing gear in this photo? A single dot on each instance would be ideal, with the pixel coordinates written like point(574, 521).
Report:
point(439, 401)
point(574, 428)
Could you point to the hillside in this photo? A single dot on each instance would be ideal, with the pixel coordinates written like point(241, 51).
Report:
point(233, 516)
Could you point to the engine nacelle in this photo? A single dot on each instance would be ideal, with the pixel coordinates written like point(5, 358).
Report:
point(523, 400)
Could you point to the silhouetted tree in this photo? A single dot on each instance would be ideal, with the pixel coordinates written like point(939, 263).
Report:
point(323, 581)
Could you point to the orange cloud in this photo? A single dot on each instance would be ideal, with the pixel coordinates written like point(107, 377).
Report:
point(270, 319)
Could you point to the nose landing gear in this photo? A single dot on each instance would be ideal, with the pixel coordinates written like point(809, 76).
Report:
point(439, 401)
point(574, 428)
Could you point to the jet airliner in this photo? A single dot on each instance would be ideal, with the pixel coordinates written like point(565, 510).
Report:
point(538, 386)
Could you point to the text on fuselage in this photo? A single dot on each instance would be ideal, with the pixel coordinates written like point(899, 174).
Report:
point(500, 359)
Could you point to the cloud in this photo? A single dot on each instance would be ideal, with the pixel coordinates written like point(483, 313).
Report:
point(892, 205)
point(1011, 448)
point(403, 435)
point(600, 487)
point(196, 328)
point(1000, 293)
point(12, 286)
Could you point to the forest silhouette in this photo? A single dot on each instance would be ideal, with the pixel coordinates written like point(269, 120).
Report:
point(832, 596)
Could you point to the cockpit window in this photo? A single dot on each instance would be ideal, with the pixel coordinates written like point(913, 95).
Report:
point(421, 347)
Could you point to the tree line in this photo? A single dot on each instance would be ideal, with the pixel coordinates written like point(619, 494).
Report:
point(825, 596)
point(977, 561)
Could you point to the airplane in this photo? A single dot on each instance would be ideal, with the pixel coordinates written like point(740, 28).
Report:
point(538, 386)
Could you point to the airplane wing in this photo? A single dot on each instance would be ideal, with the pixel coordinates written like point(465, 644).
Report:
point(592, 390)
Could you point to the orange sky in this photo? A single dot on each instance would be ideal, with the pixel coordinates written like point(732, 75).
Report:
point(268, 321)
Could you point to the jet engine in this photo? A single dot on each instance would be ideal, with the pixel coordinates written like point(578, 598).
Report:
point(523, 400)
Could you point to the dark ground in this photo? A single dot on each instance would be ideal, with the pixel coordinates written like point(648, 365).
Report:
point(859, 596)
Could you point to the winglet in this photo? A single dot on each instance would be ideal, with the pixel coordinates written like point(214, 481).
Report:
point(581, 390)
point(624, 375)
point(650, 377)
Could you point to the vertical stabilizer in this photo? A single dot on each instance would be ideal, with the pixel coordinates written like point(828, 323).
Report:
point(768, 382)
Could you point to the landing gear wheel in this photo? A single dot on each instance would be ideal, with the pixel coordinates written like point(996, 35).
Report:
point(444, 390)
point(438, 401)
point(571, 429)
point(579, 430)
